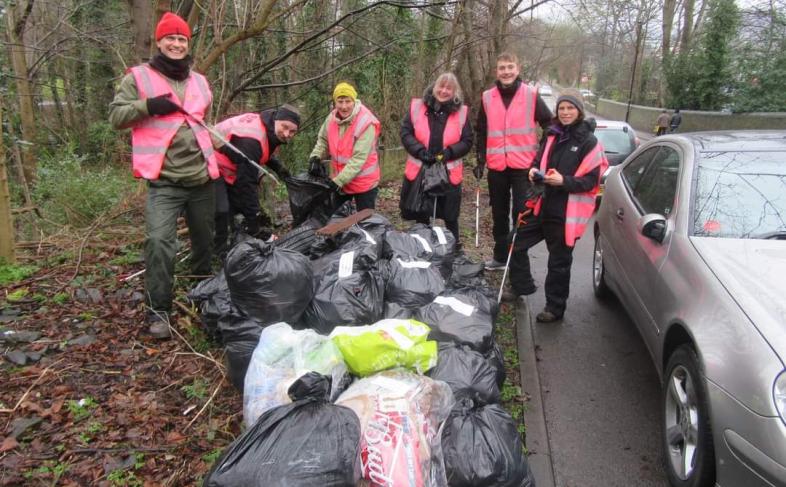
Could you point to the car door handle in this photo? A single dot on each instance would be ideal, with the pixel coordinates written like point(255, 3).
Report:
point(620, 214)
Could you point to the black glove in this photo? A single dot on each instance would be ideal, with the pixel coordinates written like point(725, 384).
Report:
point(315, 167)
point(426, 157)
point(478, 170)
point(333, 186)
point(281, 171)
point(444, 155)
point(161, 105)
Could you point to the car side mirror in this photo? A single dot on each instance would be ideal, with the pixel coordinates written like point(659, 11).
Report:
point(653, 226)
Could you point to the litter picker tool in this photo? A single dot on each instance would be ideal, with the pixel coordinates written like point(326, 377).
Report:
point(224, 141)
point(519, 221)
point(477, 216)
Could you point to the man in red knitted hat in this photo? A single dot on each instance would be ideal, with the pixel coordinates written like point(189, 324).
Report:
point(161, 102)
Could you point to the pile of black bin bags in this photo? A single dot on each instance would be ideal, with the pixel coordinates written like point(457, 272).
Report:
point(367, 273)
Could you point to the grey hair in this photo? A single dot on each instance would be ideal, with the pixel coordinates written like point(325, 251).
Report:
point(450, 78)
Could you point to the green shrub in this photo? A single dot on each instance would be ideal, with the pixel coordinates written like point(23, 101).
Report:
point(70, 191)
point(10, 273)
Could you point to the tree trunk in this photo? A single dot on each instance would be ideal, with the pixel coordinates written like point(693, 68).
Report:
point(669, 7)
point(6, 222)
point(141, 13)
point(687, 26)
point(24, 92)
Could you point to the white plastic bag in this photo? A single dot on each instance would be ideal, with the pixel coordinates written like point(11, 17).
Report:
point(281, 356)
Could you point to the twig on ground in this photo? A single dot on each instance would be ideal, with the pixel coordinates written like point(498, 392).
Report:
point(210, 400)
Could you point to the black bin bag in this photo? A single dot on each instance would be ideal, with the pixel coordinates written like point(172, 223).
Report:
point(348, 289)
point(309, 197)
point(463, 316)
point(467, 372)
point(240, 335)
point(411, 284)
point(267, 283)
point(482, 448)
point(212, 298)
point(422, 242)
point(307, 443)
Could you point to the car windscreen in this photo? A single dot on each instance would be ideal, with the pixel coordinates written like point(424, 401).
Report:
point(615, 141)
point(741, 194)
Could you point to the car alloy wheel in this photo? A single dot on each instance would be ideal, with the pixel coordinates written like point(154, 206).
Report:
point(689, 452)
point(599, 286)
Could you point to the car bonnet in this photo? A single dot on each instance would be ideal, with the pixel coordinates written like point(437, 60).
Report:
point(753, 271)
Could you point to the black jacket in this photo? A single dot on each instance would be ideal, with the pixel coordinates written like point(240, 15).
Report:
point(542, 115)
point(437, 114)
point(571, 145)
point(253, 150)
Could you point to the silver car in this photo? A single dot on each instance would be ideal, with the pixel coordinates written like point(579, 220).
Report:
point(691, 237)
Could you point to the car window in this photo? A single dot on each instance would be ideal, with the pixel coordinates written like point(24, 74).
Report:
point(634, 169)
point(657, 187)
point(615, 141)
point(741, 194)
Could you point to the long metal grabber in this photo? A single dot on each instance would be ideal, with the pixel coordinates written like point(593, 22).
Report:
point(224, 141)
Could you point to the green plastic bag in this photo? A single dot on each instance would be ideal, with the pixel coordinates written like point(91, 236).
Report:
point(384, 345)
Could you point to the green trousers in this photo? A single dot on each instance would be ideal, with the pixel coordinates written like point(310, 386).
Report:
point(164, 204)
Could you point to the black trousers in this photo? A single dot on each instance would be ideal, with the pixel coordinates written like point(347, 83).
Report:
point(362, 200)
point(503, 184)
point(559, 263)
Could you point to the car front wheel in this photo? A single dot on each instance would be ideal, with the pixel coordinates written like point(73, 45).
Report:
point(599, 286)
point(687, 436)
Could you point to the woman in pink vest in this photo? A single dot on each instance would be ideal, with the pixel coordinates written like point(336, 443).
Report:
point(567, 168)
point(175, 155)
point(436, 131)
point(349, 137)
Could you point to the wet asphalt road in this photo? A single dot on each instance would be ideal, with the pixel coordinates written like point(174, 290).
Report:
point(599, 392)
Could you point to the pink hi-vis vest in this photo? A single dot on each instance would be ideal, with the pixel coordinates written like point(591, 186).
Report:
point(150, 137)
point(451, 135)
point(511, 140)
point(246, 125)
point(342, 147)
point(580, 205)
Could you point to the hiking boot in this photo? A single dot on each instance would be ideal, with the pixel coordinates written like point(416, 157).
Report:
point(547, 316)
point(158, 325)
point(494, 265)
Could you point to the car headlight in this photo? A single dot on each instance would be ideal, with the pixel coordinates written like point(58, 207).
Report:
point(779, 395)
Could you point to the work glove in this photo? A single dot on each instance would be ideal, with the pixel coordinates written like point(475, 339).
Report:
point(161, 105)
point(281, 171)
point(315, 167)
point(333, 186)
point(426, 157)
point(444, 155)
point(478, 170)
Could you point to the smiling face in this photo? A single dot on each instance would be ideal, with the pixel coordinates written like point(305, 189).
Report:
point(507, 72)
point(285, 130)
point(174, 46)
point(567, 113)
point(444, 91)
point(344, 105)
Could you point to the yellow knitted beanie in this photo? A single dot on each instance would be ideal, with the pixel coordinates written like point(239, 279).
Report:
point(344, 89)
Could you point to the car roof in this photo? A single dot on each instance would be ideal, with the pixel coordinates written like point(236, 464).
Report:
point(611, 124)
point(736, 140)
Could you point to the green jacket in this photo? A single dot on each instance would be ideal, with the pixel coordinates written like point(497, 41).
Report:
point(362, 148)
point(184, 164)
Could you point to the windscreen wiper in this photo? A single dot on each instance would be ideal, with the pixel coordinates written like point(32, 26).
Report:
point(776, 235)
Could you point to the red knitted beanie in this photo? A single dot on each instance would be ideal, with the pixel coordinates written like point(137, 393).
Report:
point(172, 24)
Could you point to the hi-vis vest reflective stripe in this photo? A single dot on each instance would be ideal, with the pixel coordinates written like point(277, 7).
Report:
point(245, 125)
point(452, 134)
point(580, 205)
point(511, 140)
point(150, 137)
point(341, 148)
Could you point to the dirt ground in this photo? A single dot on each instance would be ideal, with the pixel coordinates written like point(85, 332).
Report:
point(88, 399)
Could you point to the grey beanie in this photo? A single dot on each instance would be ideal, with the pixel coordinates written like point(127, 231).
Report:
point(572, 98)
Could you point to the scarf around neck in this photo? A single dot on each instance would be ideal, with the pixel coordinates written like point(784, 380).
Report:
point(176, 69)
